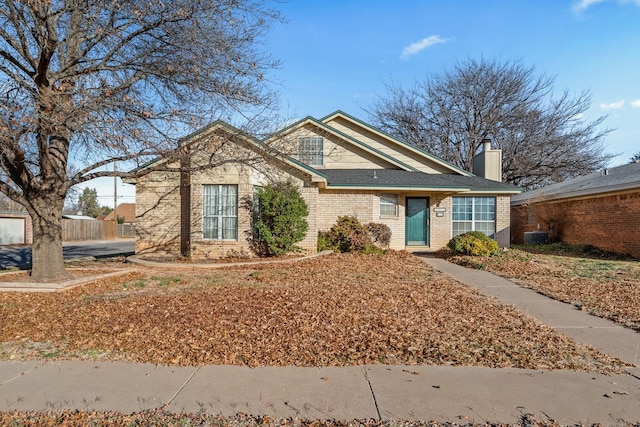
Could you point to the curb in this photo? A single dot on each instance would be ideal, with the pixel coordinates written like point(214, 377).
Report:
point(134, 259)
point(61, 286)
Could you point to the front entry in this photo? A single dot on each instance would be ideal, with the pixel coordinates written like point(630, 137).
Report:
point(417, 221)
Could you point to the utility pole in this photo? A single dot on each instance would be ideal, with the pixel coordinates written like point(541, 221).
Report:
point(115, 197)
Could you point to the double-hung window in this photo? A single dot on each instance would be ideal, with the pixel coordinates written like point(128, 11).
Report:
point(474, 214)
point(220, 212)
point(311, 150)
point(388, 205)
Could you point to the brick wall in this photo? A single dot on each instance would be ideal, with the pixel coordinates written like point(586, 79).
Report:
point(365, 206)
point(610, 222)
point(158, 212)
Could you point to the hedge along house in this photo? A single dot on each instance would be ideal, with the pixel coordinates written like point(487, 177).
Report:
point(342, 166)
point(601, 209)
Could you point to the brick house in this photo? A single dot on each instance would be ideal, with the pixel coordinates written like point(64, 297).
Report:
point(342, 166)
point(601, 209)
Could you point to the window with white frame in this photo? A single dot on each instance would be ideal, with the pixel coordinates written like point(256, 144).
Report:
point(311, 150)
point(388, 205)
point(474, 214)
point(220, 212)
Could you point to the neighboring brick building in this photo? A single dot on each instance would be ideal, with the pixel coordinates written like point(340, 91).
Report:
point(601, 209)
point(125, 211)
point(343, 167)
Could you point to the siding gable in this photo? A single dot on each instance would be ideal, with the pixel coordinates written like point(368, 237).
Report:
point(417, 159)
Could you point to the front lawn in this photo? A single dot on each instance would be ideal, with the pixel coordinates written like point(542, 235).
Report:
point(329, 311)
point(601, 283)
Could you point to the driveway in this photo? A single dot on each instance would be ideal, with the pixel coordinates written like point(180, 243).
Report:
point(20, 256)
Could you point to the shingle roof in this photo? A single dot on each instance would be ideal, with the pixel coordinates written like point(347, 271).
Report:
point(620, 178)
point(396, 178)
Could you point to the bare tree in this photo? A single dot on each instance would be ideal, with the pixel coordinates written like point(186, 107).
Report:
point(543, 139)
point(103, 81)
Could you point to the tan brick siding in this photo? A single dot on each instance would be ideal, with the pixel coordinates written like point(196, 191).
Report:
point(503, 221)
point(158, 214)
point(609, 222)
point(158, 211)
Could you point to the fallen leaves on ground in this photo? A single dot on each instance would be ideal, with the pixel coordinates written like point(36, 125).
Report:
point(159, 417)
point(607, 288)
point(335, 310)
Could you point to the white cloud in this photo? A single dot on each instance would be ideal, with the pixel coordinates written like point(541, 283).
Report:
point(613, 105)
point(582, 5)
point(416, 47)
point(635, 103)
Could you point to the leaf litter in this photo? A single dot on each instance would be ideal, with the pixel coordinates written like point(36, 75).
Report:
point(336, 310)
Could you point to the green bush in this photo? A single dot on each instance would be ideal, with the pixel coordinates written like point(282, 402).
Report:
point(473, 243)
point(323, 242)
point(280, 219)
point(348, 235)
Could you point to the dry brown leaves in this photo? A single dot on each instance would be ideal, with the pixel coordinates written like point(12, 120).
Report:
point(603, 287)
point(162, 418)
point(330, 311)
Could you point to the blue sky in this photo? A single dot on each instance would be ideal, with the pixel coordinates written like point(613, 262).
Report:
point(337, 54)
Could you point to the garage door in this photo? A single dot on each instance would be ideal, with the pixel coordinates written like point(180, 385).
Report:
point(11, 231)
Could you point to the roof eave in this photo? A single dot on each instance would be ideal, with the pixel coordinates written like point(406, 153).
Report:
point(404, 144)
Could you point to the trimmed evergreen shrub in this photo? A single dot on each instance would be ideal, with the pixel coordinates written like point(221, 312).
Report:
point(280, 219)
point(473, 243)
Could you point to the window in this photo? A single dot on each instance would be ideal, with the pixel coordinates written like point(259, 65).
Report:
point(310, 150)
point(474, 214)
point(388, 205)
point(220, 212)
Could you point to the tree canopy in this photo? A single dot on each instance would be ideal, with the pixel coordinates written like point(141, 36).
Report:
point(544, 138)
point(105, 81)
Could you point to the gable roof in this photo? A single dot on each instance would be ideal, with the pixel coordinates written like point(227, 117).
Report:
point(250, 141)
point(326, 128)
point(395, 179)
point(397, 141)
point(621, 178)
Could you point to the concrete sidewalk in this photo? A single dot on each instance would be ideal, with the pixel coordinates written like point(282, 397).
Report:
point(453, 394)
point(602, 334)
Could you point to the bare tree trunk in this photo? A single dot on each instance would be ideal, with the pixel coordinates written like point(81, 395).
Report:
point(47, 262)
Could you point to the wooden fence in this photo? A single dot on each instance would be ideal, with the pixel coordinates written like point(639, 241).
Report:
point(86, 229)
point(126, 230)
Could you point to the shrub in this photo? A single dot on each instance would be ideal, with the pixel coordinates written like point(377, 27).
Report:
point(380, 233)
point(473, 243)
point(279, 219)
point(348, 235)
point(323, 242)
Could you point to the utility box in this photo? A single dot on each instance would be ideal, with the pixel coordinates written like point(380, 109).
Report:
point(536, 237)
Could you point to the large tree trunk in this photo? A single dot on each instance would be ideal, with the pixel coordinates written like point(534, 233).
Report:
point(47, 263)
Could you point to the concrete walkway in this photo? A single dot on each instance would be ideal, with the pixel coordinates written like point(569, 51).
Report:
point(453, 394)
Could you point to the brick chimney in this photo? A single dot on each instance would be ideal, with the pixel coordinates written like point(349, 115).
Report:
point(488, 163)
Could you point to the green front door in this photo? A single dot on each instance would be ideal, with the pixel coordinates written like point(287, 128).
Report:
point(417, 221)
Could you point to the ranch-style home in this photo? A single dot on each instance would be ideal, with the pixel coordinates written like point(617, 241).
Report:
point(341, 165)
point(601, 209)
